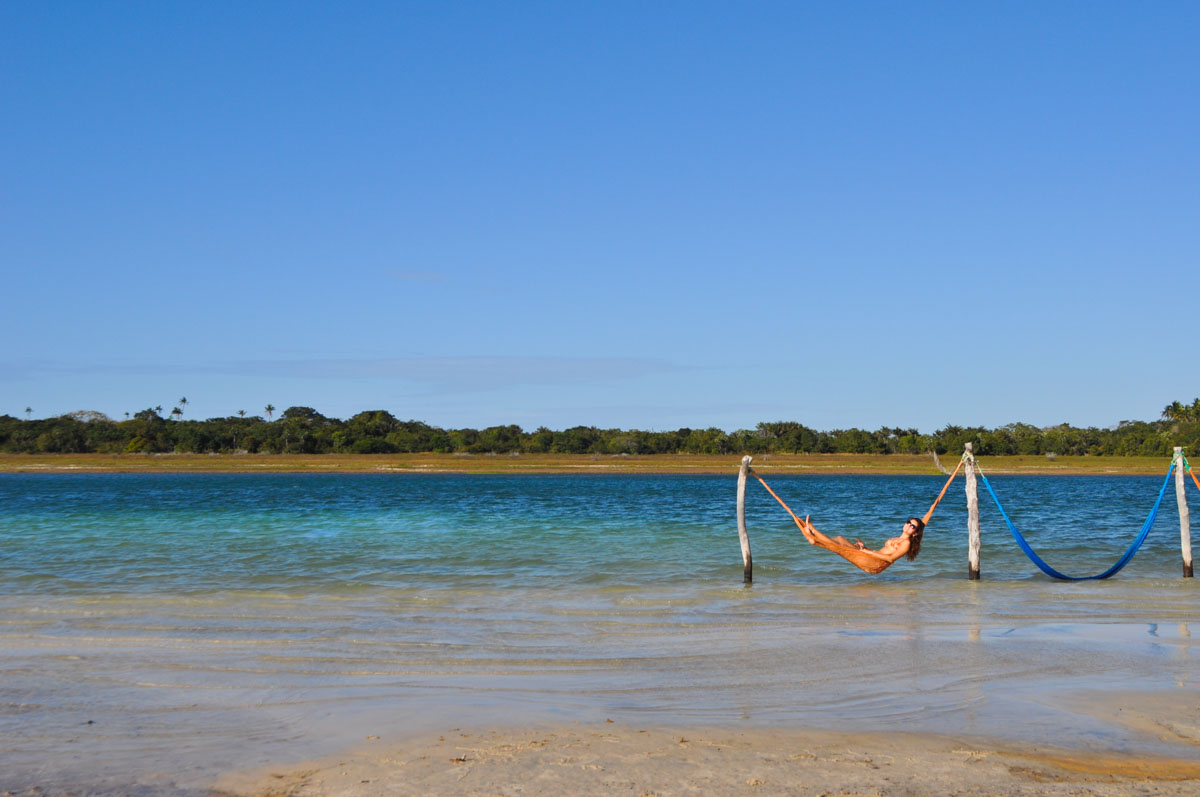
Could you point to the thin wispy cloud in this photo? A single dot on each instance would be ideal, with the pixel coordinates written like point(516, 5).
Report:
point(436, 373)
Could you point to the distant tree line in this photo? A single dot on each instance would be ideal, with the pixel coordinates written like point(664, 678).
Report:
point(303, 430)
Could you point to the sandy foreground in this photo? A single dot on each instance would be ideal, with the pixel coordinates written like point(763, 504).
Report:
point(612, 759)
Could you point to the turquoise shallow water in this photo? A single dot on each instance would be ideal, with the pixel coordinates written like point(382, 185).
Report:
point(101, 534)
point(215, 621)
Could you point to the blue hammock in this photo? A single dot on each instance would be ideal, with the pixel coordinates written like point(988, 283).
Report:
point(1124, 560)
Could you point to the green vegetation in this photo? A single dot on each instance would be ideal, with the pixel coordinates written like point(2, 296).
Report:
point(303, 430)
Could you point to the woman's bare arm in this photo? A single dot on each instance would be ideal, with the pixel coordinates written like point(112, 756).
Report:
point(890, 558)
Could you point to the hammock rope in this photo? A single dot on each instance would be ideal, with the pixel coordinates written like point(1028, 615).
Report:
point(1187, 467)
point(945, 487)
point(856, 557)
point(1116, 568)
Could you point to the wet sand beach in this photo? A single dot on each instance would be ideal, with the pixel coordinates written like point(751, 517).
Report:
point(610, 759)
point(880, 689)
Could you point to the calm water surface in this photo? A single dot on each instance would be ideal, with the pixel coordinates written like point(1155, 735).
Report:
point(230, 620)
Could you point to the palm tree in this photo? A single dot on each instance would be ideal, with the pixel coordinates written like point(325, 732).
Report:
point(1194, 410)
point(177, 413)
point(28, 412)
point(1174, 411)
point(241, 413)
point(182, 405)
point(158, 409)
point(127, 416)
point(269, 410)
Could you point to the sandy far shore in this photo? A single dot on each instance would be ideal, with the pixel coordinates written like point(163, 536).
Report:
point(690, 464)
point(612, 759)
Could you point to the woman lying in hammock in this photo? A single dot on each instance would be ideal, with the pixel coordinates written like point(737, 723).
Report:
point(907, 544)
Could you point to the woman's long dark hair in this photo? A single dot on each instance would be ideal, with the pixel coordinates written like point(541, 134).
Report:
point(914, 539)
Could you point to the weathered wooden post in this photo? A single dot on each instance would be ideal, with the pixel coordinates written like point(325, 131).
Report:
point(973, 541)
point(1185, 518)
point(743, 535)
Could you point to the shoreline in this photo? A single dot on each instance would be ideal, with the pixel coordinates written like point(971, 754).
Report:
point(604, 758)
point(656, 464)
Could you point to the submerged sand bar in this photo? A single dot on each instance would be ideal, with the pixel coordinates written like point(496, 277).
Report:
point(859, 689)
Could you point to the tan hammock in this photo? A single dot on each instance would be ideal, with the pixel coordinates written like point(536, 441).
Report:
point(859, 558)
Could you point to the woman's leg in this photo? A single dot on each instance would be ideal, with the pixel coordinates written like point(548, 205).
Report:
point(839, 540)
point(814, 535)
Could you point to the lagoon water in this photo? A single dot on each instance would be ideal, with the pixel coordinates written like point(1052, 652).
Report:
point(157, 630)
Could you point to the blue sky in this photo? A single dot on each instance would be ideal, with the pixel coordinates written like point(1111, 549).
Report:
point(637, 215)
